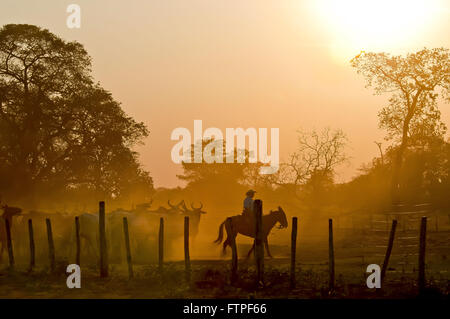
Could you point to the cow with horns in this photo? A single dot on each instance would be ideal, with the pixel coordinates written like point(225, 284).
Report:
point(194, 215)
point(143, 226)
point(174, 218)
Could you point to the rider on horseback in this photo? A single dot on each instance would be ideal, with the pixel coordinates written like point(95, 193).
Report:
point(248, 213)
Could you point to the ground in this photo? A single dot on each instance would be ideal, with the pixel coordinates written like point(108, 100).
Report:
point(210, 278)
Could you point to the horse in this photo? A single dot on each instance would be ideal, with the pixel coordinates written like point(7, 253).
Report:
point(241, 226)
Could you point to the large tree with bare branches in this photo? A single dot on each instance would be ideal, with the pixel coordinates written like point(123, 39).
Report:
point(414, 83)
point(318, 154)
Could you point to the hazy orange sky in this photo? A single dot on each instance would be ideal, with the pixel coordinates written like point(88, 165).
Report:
point(241, 63)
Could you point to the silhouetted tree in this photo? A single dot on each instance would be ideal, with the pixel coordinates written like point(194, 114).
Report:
point(223, 183)
point(58, 129)
point(317, 154)
point(412, 81)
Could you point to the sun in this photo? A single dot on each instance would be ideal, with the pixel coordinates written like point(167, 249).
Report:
point(356, 25)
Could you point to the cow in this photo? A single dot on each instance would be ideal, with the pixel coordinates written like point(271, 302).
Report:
point(89, 229)
point(61, 223)
point(143, 225)
point(139, 224)
point(194, 215)
point(8, 214)
point(141, 228)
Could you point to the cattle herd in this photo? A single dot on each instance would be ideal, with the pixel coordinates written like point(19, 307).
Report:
point(143, 227)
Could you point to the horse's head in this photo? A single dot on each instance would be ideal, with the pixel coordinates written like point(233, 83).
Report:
point(281, 217)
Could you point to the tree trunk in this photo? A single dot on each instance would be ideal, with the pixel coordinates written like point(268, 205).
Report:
point(395, 183)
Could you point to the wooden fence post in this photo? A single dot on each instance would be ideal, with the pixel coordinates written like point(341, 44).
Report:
point(9, 244)
point(77, 241)
point(187, 260)
point(423, 235)
point(102, 235)
point(293, 250)
point(330, 254)
point(127, 247)
point(32, 247)
point(51, 245)
point(161, 243)
point(389, 249)
point(234, 256)
point(259, 247)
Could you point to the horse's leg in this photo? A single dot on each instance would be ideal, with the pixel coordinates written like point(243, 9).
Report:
point(225, 244)
point(227, 241)
point(266, 243)
point(251, 250)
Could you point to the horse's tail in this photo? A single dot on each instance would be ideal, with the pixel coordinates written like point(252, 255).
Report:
point(220, 238)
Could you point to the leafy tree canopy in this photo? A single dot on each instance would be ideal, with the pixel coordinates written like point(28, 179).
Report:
point(59, 130)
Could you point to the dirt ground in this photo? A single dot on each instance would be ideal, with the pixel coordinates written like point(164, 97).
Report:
point(210, 278)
